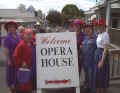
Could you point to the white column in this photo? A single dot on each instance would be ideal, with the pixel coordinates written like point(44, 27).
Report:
point(108, 15)
point(78, 90)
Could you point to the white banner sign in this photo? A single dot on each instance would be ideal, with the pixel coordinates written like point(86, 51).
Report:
point(57, 60)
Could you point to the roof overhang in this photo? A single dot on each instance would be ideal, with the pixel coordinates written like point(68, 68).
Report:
point(25, 20)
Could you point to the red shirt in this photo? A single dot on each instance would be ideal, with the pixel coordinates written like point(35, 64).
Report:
point(22, 54)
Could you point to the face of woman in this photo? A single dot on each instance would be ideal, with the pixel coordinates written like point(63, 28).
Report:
point(101, 28)
point(11, 28)
point(76, 27)
point(88, 31)
point(28, 36)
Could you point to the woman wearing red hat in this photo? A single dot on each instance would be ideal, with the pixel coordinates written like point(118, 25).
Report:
point(77, 27)
point(95, 25)
point(24, 59)
point(10, 41)
point(88, 51)
point(102, 58)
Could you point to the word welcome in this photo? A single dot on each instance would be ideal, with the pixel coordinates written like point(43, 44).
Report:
point(53, 40)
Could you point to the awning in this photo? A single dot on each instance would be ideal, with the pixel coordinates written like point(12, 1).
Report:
point(18, 20)
point(6, 20)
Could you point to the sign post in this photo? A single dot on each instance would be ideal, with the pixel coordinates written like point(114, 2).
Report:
point(57, 61)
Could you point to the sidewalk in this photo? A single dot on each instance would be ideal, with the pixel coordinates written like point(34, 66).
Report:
point(3, 88)
point(2, 57)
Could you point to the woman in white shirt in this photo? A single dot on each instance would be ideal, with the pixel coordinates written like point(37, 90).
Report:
point(102, 58)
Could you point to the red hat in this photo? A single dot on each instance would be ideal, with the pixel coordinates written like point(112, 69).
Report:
point(95, 23)
point(27, 30)
point(102, 22)
point(76, 21)
point(10, 22)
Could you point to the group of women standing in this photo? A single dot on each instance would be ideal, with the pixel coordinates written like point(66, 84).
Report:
point(93, 55)
point(21, 59)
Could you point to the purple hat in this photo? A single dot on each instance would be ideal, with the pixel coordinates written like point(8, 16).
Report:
point(76, 21)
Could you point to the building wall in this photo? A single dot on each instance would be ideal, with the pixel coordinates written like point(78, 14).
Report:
point(115, 36)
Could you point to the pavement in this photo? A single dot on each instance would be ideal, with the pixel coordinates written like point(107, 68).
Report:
point(114, 84)
point(2, 57)
point(3, 88)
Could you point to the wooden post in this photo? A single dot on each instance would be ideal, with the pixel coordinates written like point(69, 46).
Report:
point(108, 15)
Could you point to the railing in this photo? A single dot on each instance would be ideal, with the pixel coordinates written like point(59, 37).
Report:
point(114, 64)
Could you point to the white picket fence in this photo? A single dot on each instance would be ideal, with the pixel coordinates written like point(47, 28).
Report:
point(115, 64)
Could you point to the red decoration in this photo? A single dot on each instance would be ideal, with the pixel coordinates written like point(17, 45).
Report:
point(95, 23)
point(56, 81)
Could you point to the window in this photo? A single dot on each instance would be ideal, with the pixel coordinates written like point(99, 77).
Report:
point(116, 23)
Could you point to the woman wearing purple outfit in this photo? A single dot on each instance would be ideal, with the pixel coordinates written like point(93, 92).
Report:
point(77, 25)
point(10, 41)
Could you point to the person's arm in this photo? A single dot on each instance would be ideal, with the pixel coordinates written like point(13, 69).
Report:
point(104, 52)
point(18, 60)
point(6, 47)
point(6, 52)
point(103, 56)
point(106, 46)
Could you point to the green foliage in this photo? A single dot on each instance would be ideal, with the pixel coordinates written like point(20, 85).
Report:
point(55, 17)
point(71, 11)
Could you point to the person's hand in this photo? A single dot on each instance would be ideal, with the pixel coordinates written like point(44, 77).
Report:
point(80, 46)
point(11, 87)
point(9, 63)
point(24, 64)
point(100, 64)
point(34, 43)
